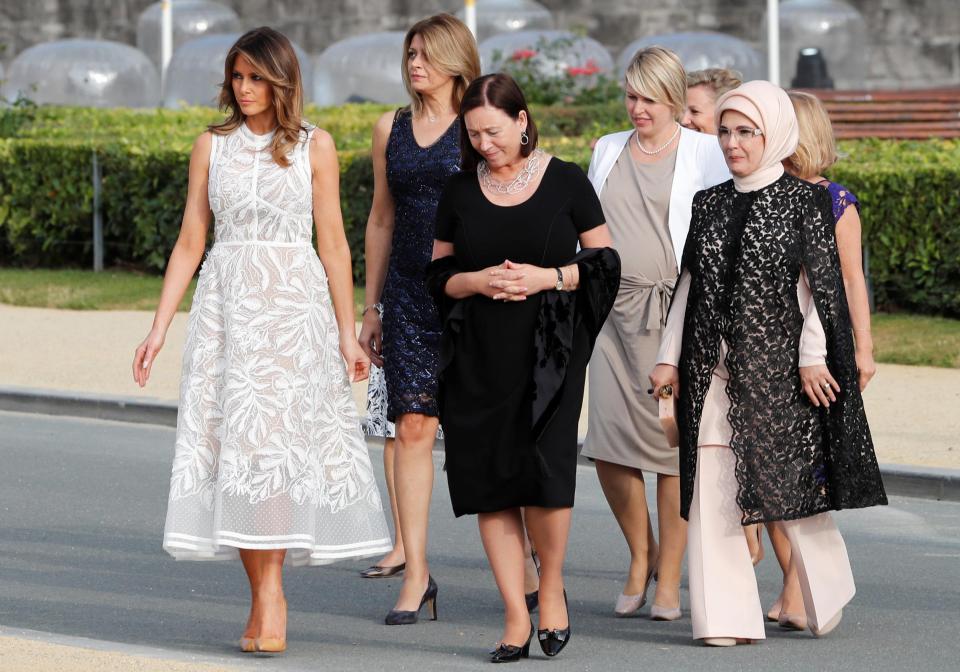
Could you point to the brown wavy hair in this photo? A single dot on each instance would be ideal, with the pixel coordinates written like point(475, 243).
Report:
point(450, 47)
point(272, 56)
point(501, 91)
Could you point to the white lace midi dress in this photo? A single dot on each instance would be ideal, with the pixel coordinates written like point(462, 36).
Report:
point(269, 450)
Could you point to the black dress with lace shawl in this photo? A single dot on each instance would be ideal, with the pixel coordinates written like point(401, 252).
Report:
point(744, 254)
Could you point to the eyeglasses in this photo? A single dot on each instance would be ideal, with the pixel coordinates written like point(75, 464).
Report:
point(743, 133)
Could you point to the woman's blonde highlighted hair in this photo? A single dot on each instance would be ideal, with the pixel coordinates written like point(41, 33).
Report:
point(817, 149)
point(719, 80)
point(657, 73)
point(450, 47)
point(273, 58)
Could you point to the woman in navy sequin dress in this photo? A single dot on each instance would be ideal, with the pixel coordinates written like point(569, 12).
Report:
point(415, 150)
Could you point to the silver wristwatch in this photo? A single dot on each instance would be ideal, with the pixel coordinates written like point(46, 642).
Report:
point(559, 284)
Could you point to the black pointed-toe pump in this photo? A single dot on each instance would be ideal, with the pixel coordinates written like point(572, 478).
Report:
point(508, 653)
point(553, 641)
point(397, 617)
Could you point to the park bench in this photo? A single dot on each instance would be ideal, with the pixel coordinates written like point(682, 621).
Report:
point(909, 114)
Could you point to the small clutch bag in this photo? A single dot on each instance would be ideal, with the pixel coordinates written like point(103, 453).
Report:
point(668, 415)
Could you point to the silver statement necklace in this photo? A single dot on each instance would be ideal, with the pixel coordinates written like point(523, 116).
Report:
point(654, 152)
point(517, 184)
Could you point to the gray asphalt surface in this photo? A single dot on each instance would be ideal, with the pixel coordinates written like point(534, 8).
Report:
point(82, 505)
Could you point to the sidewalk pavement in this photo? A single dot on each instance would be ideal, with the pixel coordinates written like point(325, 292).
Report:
point(87, 356)
point(912, 410)
point(29, 651)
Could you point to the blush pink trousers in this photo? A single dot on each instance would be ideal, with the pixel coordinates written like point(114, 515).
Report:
point(724, 601)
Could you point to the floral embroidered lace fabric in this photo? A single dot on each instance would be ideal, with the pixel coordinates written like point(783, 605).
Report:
point(269, 451)
point(744, 254)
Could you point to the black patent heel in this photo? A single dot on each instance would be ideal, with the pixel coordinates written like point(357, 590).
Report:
point(553, 641)
point(397, 617)
point(508, 653)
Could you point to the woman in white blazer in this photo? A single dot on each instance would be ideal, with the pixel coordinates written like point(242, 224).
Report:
point(646, 178)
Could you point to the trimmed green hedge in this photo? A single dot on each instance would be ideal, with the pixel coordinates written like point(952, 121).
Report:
point(910, 191)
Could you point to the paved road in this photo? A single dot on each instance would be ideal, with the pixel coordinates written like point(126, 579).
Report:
point(81, 515)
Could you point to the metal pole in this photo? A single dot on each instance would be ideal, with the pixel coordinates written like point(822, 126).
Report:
point(470, 15)
point(166, 40)
point(97, 217)
point(773, 41)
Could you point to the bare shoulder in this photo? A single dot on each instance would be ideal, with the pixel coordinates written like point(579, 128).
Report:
point(385, 122)
point(322, 140)
point(203, 142)
point(383, 126)
point(323, 150)
point(200, 155)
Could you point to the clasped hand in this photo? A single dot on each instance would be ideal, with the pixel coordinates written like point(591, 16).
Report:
point(515, 282)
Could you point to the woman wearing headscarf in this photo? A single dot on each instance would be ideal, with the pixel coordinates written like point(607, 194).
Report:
point(758, 348)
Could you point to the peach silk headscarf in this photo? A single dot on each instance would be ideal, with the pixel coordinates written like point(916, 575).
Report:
point(769, 107)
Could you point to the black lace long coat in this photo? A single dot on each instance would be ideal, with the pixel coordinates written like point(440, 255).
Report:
point(744, 253)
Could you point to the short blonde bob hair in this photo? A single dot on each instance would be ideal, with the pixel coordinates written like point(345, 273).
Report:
point(657, 73)
point(718, 80)
point(817, 149)
point(450, 47)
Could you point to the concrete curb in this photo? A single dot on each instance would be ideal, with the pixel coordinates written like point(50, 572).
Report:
point(901, 480)
point(144, 410)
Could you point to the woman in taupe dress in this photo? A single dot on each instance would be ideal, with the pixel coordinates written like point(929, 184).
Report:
point(646, 179)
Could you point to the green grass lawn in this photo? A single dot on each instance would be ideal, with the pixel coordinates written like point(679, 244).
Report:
point(86, 290)
point(83, 290)
point(898, 338)
point(917, 339)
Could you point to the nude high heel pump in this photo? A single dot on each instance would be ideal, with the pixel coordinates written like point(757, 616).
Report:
point(629, 605)
point(271, 644)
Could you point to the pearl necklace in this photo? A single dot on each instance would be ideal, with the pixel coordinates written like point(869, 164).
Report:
point(517, 184)
point(659, 149)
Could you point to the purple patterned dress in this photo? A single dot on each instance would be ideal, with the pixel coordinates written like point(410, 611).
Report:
point(841, 197)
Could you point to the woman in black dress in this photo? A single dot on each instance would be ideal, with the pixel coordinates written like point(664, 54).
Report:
point(520, 312)
point(415, 150)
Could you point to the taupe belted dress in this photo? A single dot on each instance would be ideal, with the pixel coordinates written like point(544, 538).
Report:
point(623, 419)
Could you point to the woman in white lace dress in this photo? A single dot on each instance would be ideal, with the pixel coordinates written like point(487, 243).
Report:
point(270, 462)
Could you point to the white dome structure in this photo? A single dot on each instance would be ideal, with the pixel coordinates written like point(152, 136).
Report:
point(191, 19)
point(89, 73)
point(362, 68)
point(701, 50)
point(508, 16)
point(835, 28)
point(553, 53)
point(195, 73)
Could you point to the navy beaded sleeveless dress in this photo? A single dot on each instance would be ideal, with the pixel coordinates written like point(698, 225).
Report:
point(411, 326)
